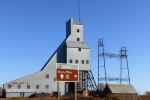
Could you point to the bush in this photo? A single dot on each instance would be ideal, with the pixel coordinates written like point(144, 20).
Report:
point(116, 98)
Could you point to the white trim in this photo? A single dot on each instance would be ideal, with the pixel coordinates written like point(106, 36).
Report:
point(19, 90)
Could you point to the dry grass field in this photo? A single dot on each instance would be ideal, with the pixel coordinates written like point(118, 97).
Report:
point(54, 98)
point(28, 98)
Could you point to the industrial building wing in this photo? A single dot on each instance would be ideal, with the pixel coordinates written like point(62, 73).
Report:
point(73, 50)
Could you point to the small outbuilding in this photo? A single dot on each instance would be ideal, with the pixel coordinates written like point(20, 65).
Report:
point(1, 92)
point(120, 91)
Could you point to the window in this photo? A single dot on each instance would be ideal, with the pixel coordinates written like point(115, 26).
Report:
point(9, 86)
point(70, 61)
point(79, 49)
point(37, 86)
point(28, 86)
point(54, 78)
point(46, 86)
point(76, 61)
point(87, 61)
point(82, 61)
point(18, 86)
point(78, 30)
point(78, 39)
point(47, 76)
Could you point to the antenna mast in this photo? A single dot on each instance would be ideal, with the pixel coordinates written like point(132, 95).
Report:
point(78, 9)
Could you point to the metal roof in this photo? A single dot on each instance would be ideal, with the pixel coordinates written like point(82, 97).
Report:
point(75, 44)
point(121, 88)
point(53, 54)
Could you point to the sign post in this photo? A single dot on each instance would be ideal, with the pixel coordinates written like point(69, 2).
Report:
point(58, 91)
point(75, 90)
point(67, 73)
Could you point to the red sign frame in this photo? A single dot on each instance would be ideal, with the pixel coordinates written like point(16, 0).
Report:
point(67, 75)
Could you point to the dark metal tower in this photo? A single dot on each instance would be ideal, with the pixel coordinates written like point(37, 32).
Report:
point(124, 66)
point(88, 81)
point(103, 77)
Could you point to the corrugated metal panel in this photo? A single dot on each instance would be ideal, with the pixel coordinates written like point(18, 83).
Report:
point(75, 44)
point(119, 88)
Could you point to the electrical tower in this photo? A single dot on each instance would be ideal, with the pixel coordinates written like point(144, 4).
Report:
point(122, 56)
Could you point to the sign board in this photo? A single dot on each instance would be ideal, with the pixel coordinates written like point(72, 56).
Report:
point(67, 73)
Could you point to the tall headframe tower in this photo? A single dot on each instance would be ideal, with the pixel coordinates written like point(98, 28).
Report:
point(77, 50)
point(79, 53)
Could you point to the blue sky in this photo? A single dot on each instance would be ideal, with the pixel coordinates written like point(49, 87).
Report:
point(30, 31)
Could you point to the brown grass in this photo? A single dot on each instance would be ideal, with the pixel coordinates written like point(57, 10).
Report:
point(54, 98)
point(21, 98)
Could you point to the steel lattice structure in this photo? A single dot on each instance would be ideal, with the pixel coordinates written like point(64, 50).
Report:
point(122, 56)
